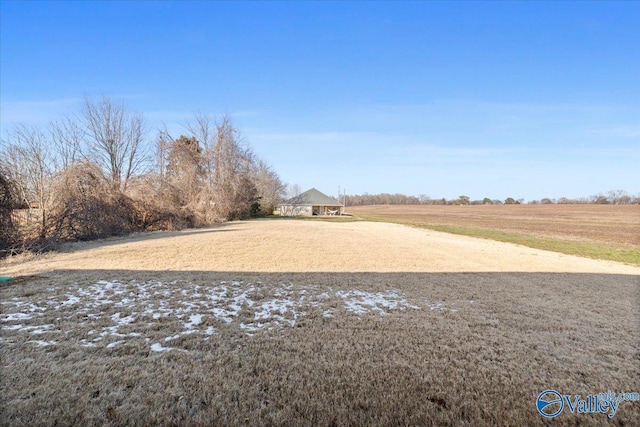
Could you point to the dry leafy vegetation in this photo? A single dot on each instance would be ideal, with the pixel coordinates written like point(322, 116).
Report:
point(95, 175)
point(317, 323)
point(597, 231)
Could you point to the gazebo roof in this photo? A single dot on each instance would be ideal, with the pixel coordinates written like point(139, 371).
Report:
point(313, 197)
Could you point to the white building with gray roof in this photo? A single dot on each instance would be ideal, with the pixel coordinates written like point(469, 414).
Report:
point(311, 202)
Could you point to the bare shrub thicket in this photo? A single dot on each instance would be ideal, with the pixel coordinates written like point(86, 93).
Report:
point(89, 176)
point(234, 191)
point(86, 206)
point(8, 201)
point(212, 175)
point(157, 204)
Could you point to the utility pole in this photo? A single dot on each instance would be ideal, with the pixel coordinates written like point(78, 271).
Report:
point(344, 199)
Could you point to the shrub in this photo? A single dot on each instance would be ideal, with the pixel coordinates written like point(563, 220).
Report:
point(8, 202)
point(86, 206)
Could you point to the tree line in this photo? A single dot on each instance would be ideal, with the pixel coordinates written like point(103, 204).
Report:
point(95, 174)
point(610, 197)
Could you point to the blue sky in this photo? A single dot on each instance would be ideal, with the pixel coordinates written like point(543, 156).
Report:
point(485, 99)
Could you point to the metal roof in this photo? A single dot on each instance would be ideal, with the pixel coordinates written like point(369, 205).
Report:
point(313, 197)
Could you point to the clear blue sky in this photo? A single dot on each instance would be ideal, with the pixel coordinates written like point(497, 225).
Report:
point(485, 99)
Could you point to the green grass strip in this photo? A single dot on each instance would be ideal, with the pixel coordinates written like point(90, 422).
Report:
point(569, 247)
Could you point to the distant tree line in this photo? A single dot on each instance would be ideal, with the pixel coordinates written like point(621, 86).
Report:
point(619, 197)
point(95, 175)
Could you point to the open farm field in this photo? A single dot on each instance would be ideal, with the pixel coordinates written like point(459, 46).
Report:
point(597, 231)
point(285, 322)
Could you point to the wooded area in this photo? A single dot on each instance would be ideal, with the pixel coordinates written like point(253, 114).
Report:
point(615, 197)
point(95, 175)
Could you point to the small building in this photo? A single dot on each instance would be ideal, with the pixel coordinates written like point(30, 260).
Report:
point(311, 202)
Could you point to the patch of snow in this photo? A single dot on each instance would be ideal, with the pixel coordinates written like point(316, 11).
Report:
point(252, 326)
point(107, 331)
point(438, 306)
point(41, 343)
point(179, 335)
point(123, 302)
point(115, 344)
point(194, 320)
point(42, 329)
point(71, 301)
point(274, 306)
point(159, 348)
point(12, 317)
point(268, 307)
point(124, 320)
point(361, 302)
point(435, 306)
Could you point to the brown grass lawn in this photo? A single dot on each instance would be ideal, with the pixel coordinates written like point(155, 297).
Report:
point(598, 231)
point(313, 323)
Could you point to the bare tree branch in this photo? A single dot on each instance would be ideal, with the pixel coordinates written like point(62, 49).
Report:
point(67, 136)
point(115, 139)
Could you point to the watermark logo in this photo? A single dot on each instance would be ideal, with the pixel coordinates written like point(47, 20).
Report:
point(551, 403)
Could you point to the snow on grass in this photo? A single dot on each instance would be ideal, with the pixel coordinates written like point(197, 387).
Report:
point(71, 301)
point(438, 306)
point(276, 309)
point(176, 336)
point(361, 302)
point(42, 343)
point(194, 320)
point(108, 314)
point(12, 317)
point(40, 329)
point(159, 348)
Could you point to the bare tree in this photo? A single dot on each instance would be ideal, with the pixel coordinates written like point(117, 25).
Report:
point(163, 144)
point(67, 136)
point(293, 190)
point(269, 186)
point(463, 200)
point(185, 171)
point(29, 165)
point(233, 190)
point(114, 139)
point(203, 128)
point(615, 196)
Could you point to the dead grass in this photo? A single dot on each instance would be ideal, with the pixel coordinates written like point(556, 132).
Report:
point(485, 339)
point(610, 232)
point(306, 246)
